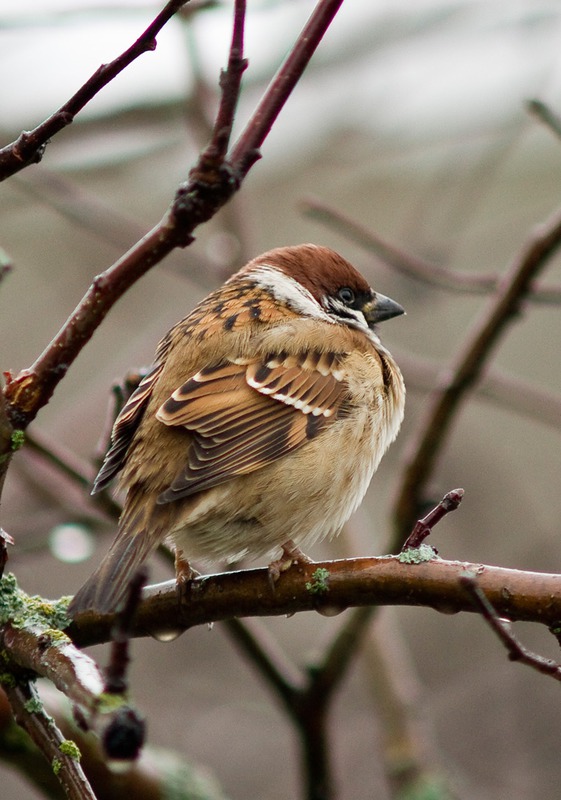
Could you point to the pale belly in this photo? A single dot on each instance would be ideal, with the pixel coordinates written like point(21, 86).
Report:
point(305, 497)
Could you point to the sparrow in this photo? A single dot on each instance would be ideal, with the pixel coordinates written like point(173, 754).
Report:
point(260, 424)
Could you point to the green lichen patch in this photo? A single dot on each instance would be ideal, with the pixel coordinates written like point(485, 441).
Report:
point(33, 706)
point(71, 749)
point(17, 439)
point(21, 610)
point(7, 679)
point(56, 764)
point(109, 702)
point(417, 555)
point(319, 582)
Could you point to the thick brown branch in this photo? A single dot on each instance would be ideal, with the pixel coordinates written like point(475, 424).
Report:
point(51, 654)
point(517, 595)
point(30, 146)
point(32, 388)
point(467, 369)
point(56, 658)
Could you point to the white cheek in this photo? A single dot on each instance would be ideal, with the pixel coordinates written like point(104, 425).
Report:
point(287, 290)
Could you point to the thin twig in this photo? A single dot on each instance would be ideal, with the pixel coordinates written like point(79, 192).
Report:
point(246, 150)
point(423, 527)
point(502, 628)
point(30, 146)
point(46, 735)
point(413, 266)
point(230, 85)
point(467, 368)
point(546, 115)
point(116, 670)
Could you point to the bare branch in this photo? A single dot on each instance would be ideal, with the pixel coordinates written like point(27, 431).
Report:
point(387, 580)
point(116, 671)
point(546, 115)
point(212, 183)
point(423, 527)
point(413, 266)
point(44, 732)
point(30, 146)
point(502, 628)
point(230, 84)
point(468, 367)
point(246, 150)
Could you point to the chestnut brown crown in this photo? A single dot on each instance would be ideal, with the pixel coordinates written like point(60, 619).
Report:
point(317, 281)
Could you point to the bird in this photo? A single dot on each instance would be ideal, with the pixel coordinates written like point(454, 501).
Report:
point(258, 428)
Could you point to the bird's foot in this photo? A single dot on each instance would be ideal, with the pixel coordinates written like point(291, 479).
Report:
point(184, 575)
point(291, 554)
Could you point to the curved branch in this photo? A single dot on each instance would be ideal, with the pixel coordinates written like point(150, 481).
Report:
point(30, 146)
point(213, 181)
point(516, 594)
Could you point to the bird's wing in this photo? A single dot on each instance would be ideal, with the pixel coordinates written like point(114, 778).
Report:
point(245, 414)
point(124, 429)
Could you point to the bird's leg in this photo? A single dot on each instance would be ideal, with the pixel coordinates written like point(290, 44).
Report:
point(291, 554)
point(184, 573)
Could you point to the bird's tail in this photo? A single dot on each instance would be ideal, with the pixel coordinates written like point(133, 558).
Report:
point(106, 588)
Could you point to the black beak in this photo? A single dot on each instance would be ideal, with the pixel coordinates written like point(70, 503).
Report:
point(381, 308)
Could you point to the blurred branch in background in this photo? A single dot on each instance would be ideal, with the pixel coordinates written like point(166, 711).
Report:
point(306, 693)
point(151, 777)
point(413, 266)
point(502, 310)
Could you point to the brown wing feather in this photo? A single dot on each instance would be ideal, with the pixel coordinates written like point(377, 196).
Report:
point(244, 416)
point(124, 429)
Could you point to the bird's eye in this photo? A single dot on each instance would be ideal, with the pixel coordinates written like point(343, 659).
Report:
point(346, 295)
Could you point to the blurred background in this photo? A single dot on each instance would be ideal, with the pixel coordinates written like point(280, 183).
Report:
point(412, 120)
